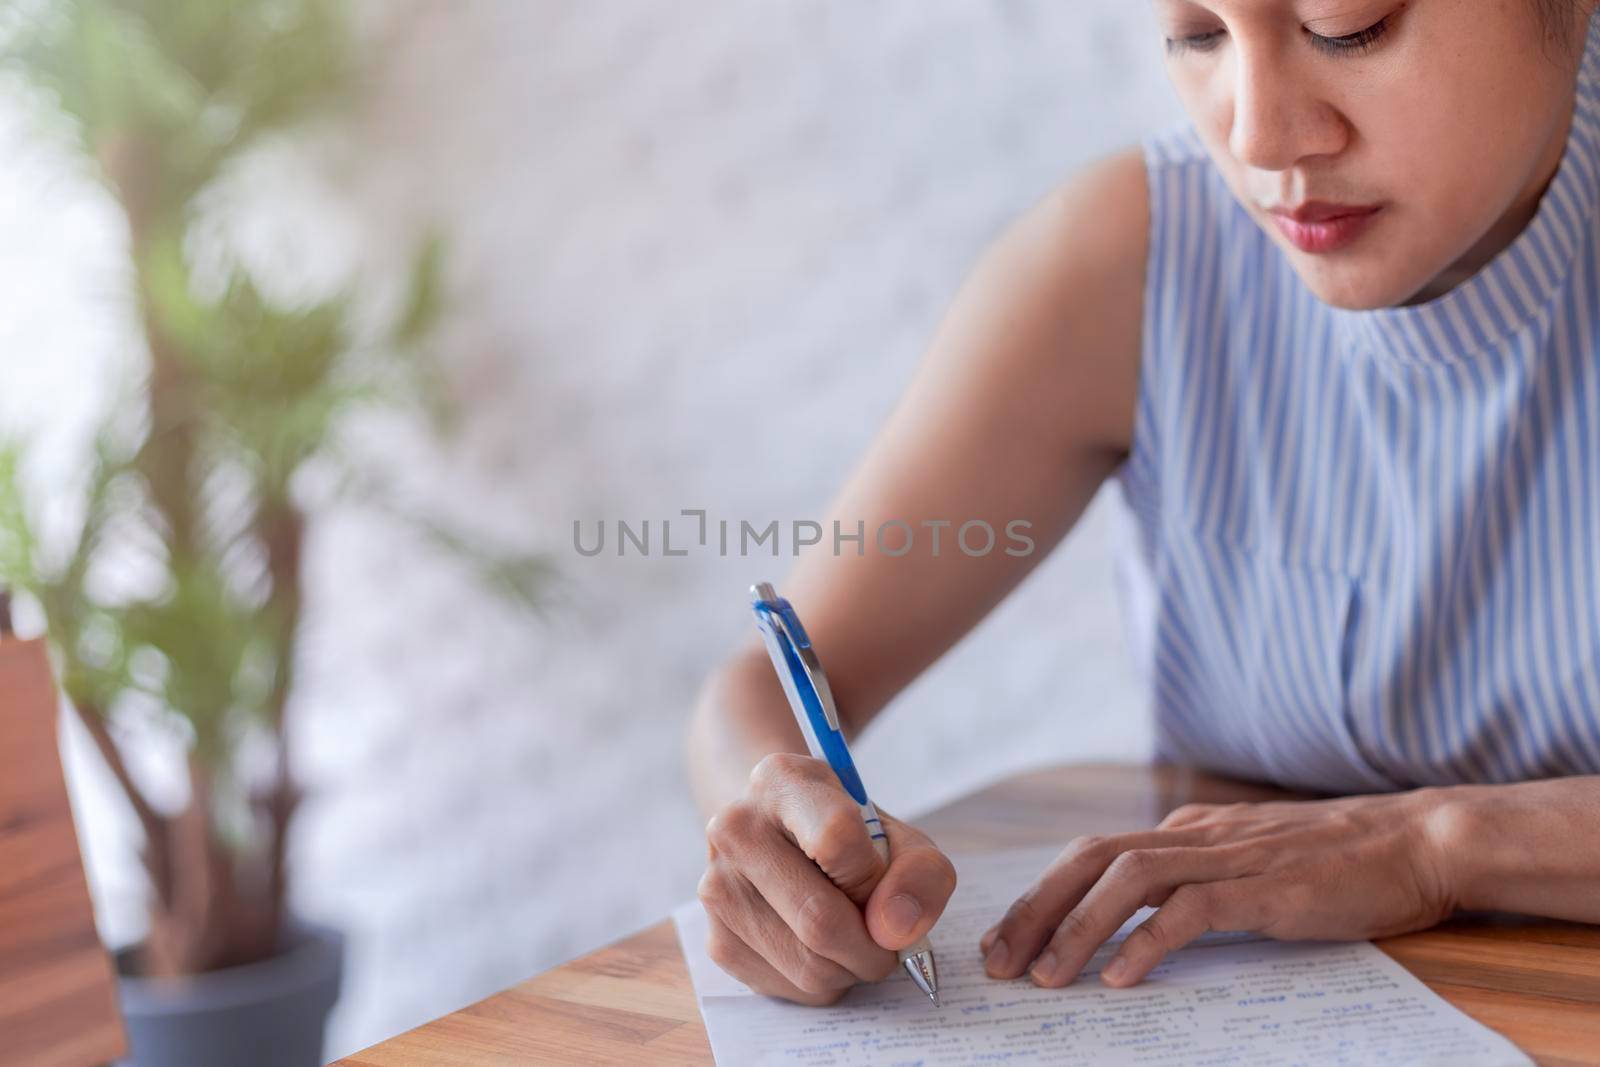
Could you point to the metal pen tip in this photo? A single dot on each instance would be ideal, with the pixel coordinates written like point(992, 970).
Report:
point(919, 965)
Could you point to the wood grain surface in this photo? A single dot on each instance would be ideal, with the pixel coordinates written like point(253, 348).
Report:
point(1536, 982)
point(58, 1005)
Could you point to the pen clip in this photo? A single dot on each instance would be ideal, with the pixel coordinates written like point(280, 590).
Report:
point(779, 615)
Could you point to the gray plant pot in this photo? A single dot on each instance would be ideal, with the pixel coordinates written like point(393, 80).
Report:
point(267, 1014)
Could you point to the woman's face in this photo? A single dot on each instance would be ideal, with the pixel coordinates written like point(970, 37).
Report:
point(1390, 147)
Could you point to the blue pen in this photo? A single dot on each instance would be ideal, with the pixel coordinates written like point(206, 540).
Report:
point(807, 689)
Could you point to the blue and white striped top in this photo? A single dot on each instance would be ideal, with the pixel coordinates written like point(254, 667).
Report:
point(1372, 538)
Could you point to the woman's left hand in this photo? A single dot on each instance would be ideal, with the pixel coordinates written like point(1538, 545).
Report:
point(1346, 869)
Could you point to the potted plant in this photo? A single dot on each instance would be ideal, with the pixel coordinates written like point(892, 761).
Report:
point(196, 497)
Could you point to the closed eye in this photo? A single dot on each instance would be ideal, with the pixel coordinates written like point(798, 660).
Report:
point(1197, 42)
point(1357, 43)
point(1350, 44)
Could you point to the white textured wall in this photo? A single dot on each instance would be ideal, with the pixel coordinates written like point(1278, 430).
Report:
point(684, 237)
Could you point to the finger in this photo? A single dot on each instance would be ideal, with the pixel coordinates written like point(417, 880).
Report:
point(914, 890)
point(730, 898)
point(804, 797)
point(1014, 942)
point(823, 919)
point(1190, 911)
point(746, 964)
point(1186, 815)
point(1131, 878)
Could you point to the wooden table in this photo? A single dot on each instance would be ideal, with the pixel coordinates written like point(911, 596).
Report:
point(1536, 982)
point(58, 996)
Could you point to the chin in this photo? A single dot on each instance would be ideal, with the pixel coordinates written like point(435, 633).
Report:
point(1354, 285)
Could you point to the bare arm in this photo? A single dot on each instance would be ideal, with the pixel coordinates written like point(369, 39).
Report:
point(1022, 406)
point(1529, 847)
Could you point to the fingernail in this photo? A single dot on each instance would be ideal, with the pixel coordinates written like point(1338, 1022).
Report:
point(995, 961)
point(902, 913)
point(988, 938)
point(1116, 970)
point(1044, 968)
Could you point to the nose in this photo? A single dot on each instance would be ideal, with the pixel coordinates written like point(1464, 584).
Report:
point(1279, 116)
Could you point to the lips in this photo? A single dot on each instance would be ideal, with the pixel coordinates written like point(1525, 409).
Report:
point(1317, 227)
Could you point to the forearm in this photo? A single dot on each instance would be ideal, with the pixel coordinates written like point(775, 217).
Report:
point(1530, 847)
point(740, 716)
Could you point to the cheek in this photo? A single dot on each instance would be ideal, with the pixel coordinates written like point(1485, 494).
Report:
point(1471, 112)
point(1206, 99)
point(1437, 179)
point(1208, 102)
point(1456, 150)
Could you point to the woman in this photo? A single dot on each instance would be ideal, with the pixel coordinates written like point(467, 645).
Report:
point(1339, 340)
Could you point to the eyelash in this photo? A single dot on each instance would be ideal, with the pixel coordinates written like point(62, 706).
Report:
point(1351, 44)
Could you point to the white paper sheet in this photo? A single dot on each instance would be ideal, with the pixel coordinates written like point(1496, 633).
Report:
point(1228, 999)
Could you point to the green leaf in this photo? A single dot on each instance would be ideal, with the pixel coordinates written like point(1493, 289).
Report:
point(214, 647)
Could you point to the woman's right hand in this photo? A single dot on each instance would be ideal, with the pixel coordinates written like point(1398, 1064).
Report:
point(801, 905)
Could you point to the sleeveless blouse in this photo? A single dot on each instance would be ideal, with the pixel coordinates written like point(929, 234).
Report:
point(1370, 540)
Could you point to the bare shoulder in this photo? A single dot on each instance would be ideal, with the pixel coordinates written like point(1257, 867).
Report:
point(1101, 216)
point(1074, 265)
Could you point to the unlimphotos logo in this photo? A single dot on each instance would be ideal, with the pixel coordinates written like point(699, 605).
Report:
point(892, 537)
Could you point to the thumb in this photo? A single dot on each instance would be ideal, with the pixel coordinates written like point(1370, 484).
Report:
point(913, 892)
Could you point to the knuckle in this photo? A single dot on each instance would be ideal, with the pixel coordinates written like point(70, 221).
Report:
point(819, 921)
point(1089, 846)
point(732, 826)
point(1022, 913)
point(722, 950)
point(1154, 930)
point(1193, 899)
point(1135, 865)
point(839, 832)
point(1186, 813)
point(786, 772)
point(712, 890)
point(814, 975)
point(842, 824)
point(775, 768)
point(1247, 856)
point(1074, 927)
